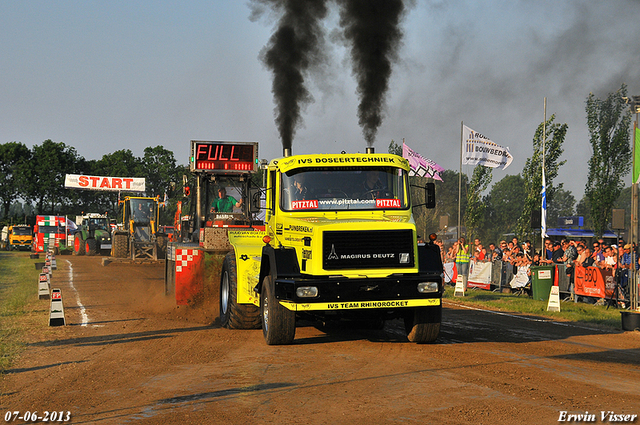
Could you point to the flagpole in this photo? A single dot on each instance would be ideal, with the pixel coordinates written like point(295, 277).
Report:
point(543, 211)
point(460, 180)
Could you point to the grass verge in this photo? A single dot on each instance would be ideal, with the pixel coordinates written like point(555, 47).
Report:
point(569, 311)
point(18, 289)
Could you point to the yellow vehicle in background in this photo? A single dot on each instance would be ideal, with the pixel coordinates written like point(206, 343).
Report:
point(137, 235)
point(18, 236)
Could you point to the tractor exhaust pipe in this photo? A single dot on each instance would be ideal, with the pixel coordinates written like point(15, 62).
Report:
point(286, 152)
point(370, 149)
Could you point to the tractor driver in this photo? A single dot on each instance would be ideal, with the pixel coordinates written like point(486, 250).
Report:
point(224, 202)
point(142, 215)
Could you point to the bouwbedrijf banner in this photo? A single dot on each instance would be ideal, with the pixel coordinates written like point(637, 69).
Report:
point(128, 184)
point(480, 150)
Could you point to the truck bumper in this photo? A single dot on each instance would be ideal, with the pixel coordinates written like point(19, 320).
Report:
point(363, 293)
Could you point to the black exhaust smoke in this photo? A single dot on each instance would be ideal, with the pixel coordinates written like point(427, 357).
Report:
point(373, 29)
point(294, 49)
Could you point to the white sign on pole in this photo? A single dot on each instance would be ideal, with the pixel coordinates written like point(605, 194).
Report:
point(116, 184)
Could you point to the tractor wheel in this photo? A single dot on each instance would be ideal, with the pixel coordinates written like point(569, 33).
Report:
point(91, 247)
point(120, 246)
point(423, 324)
point(78, 245)
point(278, 322)
point(232, 314)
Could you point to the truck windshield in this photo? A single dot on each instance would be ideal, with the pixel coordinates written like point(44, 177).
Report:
point(142, 210)
point(51, 229)
point(344, 188)
point(22, 231)
point(98, 223)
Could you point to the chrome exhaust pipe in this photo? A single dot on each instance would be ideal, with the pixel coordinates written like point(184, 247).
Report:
point(370, 149)
point(286, 152)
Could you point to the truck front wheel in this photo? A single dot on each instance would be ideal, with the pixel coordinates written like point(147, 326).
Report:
point(232, 314)
point(78, 245)
point(278, 322)
point(423, 324)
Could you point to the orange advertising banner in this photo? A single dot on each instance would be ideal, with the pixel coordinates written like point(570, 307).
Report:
point(594, 282)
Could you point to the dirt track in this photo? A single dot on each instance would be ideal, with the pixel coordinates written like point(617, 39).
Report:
point(128, 355)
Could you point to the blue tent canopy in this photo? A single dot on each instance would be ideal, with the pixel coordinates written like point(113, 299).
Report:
point(578, 233)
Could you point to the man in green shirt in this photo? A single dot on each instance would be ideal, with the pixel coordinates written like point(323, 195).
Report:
point(225, 203)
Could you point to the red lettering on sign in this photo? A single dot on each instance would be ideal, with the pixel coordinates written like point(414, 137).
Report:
point(94, 181)
point(105, 183)
point(128, 183)
point(202, 149)
point(215, 155)
point(116, 183)
point(83, 181)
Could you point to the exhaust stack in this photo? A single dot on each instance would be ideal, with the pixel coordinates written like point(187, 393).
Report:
point(370, 149)
point(286, 152)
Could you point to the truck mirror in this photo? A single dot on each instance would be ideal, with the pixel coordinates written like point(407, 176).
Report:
point(430, 195)
point(255, 194)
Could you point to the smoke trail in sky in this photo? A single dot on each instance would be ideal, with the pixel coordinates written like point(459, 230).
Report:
point(294, 48)
point(373, 29)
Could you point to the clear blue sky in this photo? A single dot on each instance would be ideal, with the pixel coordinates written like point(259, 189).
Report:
point(108, 75)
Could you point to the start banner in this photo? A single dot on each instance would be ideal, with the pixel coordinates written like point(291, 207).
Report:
point(129, 184)
point(594, 282)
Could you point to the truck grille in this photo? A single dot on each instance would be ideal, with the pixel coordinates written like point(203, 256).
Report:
point(367, 249)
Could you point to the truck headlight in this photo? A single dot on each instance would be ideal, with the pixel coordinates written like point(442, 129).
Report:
point(307, 292)
point(426, 287)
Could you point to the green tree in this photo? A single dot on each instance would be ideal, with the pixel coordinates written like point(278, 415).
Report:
point(159, 168)
point(50, 162)
point(163, 176)
point(447, 197)
point(561, 206)
point(474, 214)
point(395, 148)
point(583, 208)
point(608, 121)
point(624, 202)
point(504, 203)
point(14, 158)
point(532, 172)
point(121, 163)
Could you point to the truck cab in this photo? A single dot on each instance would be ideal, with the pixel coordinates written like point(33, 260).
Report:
point(340, 241)
point(19, 237)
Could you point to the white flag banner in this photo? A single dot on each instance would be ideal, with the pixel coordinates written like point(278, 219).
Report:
point(479, 150)
point(125, 184)
point(421, 166)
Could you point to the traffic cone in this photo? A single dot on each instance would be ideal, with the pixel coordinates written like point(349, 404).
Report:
point(43, 287)
point(56, 312)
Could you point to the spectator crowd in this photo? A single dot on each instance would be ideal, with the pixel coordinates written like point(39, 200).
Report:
point(571, 253)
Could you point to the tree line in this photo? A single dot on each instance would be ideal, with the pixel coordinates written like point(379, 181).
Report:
point(32, 180)
point(508, 206)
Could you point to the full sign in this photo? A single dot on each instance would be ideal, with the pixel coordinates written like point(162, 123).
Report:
point(128, 184)
point(224, 157)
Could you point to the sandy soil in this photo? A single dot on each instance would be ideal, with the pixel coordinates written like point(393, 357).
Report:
point(129, 355)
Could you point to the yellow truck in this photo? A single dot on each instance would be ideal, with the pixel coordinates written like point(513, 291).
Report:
point(338, 242)
point(18, 236)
